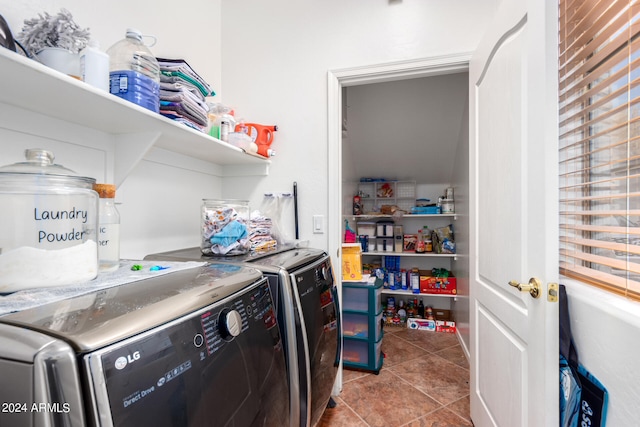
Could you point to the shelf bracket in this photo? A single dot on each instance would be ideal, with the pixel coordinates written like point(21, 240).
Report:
point(130, 149)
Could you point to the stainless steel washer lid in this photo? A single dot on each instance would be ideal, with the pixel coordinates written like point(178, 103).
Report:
point(288, 257)
point(97, 319)
point(289, 260)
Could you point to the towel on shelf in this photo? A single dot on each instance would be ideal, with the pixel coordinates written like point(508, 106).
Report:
point(182, 94)
point(181, 69)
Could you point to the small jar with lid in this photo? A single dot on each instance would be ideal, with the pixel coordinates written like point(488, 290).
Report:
point(225, 227)
point(48, 236)
point(108, 228)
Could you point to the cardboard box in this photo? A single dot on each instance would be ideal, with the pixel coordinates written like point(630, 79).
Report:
point(448, 326)
point(444, 321)
point(409, 242)
point(437, 285)
point(351, 262)
point(421, 324)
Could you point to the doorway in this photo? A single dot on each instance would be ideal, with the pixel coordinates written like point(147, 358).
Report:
point(338, 202)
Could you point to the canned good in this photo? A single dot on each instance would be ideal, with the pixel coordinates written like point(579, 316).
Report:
point(447, 206)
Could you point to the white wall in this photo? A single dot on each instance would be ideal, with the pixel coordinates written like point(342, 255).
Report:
point(160, 200)
point(606, 330)
point(275, 59)
point(460, 183)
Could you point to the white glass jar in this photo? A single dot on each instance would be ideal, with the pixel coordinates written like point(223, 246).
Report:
point(225, 227)
point(48, 230)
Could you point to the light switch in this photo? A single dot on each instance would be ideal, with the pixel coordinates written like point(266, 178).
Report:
point(318, 224)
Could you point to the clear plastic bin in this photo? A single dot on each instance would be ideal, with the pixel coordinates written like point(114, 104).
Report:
point(361, 353)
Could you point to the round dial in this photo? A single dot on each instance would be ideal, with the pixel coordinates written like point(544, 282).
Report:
point(322, 273)
point(230, 323)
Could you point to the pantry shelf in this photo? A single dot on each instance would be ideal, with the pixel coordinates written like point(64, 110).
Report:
point(34, 87)
point(409, 254)
point(410, 293)
point(371, 217)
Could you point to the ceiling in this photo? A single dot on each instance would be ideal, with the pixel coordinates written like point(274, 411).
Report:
point(405, 129)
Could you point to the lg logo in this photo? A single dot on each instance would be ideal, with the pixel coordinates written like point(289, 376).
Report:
point(122, 361)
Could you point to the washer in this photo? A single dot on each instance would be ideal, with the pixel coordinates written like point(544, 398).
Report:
point(196, 347)
point(304, 289)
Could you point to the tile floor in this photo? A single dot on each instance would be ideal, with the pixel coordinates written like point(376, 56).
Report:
point(424, 382)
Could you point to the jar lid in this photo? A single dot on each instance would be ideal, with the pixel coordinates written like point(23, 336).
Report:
point(39, 163)
point(105, 191)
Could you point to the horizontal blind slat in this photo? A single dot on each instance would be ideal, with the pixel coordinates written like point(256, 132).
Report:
point(614, 246)
point(610, 229)
point(602, 260)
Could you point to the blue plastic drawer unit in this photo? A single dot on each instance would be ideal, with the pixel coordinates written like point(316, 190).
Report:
point(362, 326)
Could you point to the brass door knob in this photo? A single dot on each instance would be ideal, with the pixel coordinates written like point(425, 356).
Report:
point(533, 287)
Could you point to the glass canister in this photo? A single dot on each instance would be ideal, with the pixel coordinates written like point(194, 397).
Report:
point(225, 227)
point(108, 228)
point(48, 224)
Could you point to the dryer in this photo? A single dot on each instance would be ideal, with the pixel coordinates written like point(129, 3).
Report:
point(304, 288)
point(197, 347)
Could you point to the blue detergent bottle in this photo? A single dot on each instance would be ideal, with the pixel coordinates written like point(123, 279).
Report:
point(134, 73)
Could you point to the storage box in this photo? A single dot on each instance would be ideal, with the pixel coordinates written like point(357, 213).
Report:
point(437, 285)
point(398, 238)
point(384, 244)
point(358, 352)
point(356, 297)
point(421, 324)
point(372, 244)
point(444, 321)
point(425, 210)
point(358, 326)
point(366, 228)
point(385, 228)
point(351, 262)
point(409, 242)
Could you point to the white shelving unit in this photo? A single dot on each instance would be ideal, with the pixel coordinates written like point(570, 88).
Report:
point(423, 260)
point(399, 193)
point(34, 87)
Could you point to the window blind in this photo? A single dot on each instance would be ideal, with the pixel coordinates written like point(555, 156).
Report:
point(599, 108)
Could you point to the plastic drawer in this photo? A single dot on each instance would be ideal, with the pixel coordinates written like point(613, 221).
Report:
point(355, 298)
point(361, 297)
point(361, 354)
point(356, 325)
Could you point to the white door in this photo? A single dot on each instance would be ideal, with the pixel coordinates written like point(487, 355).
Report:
point(513, 200)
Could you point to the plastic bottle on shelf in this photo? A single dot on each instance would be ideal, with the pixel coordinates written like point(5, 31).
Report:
point(428, 244)
point(420, 249)
point(108, 228)
point(94, 66)
point(402, 313)
point(134, 73)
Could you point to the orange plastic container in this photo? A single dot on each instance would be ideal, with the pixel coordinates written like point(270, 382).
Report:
point(262, 135)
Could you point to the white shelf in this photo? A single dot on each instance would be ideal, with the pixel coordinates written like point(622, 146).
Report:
point(410, 293)
point(35, 87)
point(409, 254)
point(452, 215)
